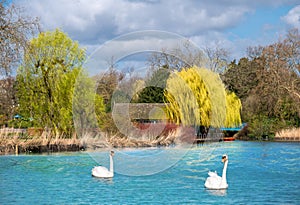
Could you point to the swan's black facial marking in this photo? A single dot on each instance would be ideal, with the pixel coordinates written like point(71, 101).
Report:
point(224, 158)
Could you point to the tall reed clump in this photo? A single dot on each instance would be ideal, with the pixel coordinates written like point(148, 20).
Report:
point(91, 140)
point(292, 134)
point(10, 140)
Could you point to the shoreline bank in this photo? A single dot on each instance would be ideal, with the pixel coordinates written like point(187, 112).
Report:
point(19, 143)
point(11, 149)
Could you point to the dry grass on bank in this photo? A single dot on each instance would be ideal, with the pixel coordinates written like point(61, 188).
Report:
point(117, 141)
point(292, 134)
point(46, 138)
point(18, 140)
point(14, 141)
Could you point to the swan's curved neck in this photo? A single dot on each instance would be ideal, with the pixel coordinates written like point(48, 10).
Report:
point(224, 172)
point(111, 165)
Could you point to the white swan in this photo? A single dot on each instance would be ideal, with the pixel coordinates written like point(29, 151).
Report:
point(216, 182)
point(103, 172)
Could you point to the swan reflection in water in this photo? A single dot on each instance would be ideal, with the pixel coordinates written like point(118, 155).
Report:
point(217, 192)
point(108, 181)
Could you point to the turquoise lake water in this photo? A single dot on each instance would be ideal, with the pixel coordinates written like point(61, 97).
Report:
point(258, 173)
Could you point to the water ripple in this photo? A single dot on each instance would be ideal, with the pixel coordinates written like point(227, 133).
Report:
point(258, 173)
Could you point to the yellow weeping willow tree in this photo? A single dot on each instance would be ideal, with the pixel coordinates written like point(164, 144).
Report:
point(197, 96)
point(216, 91)
point(233, 110)
point(187, 96)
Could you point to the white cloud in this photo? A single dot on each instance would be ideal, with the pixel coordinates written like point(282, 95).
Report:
point(293, 17)
point(132, 44)
point(94, 22)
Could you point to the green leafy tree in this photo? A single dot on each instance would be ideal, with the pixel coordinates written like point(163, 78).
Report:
point(241, 78)
point(154, 87)
point(88, 106)
point(151, 94)
point(45, 81)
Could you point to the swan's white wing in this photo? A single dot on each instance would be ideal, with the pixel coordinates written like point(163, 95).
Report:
point(100, 169)
point(102, 172)
point(213, 182)
point(212, 174)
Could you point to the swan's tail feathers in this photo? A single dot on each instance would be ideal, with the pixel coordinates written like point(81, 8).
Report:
point(212, 174)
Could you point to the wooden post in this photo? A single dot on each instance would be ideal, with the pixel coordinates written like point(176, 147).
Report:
point(17, 149)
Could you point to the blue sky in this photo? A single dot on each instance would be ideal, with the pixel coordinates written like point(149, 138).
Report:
point(231, 24)
point(266, 19)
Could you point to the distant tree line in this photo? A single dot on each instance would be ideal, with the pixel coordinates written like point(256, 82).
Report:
point(268, 83)
point(39, 77)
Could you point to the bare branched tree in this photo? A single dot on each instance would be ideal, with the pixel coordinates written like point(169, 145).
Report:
point(15, 31)
point(217, 58)
point(188, 55)
point(279, 73)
